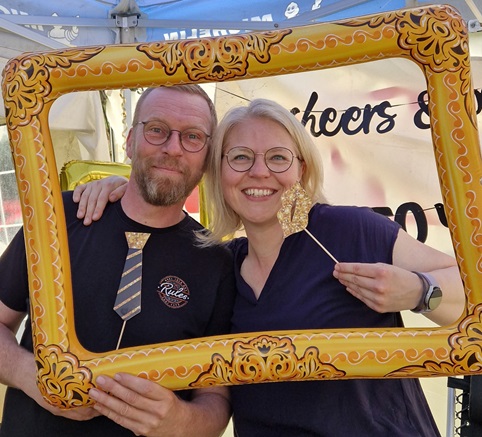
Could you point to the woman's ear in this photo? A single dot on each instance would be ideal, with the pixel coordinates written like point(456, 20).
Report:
point(302, 169)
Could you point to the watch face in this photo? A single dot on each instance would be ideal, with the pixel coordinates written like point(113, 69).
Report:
point(434, 299)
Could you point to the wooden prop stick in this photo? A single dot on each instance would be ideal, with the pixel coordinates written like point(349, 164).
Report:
point(120, 335)
point(321, 245)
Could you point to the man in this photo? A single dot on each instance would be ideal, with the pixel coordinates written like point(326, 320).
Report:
point(167, 145)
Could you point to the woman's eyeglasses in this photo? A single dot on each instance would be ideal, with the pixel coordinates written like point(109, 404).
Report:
point(158, 133)
point(277, 159)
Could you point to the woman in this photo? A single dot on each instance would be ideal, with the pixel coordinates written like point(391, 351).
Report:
point(363, 279)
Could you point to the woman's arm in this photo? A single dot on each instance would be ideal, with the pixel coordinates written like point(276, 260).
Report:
point(93, 196)
point(392, 288)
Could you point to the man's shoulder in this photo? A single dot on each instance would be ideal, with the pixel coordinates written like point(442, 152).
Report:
point(68, 199)
point(70, 207)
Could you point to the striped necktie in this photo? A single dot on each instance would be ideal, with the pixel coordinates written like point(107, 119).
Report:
point(128, 300)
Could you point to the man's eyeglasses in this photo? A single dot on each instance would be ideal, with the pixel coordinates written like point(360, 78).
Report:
point(277, 159)
point(157, 133)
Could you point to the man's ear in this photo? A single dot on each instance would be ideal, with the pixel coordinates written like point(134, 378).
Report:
point(130, 144)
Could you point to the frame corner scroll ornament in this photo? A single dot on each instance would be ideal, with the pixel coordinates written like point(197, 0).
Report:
point(61, 379)
point(433, 37)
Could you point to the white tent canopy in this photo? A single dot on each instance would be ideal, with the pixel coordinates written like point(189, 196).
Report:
point(39, 26)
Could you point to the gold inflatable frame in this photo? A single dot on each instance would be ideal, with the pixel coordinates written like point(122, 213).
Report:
point(434, 37)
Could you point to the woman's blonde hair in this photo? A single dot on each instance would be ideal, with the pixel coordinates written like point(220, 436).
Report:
point(223, 221)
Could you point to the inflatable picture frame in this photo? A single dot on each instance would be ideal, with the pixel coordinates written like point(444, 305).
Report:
point(434, 37)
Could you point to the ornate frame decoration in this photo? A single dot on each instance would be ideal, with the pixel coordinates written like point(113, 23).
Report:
point(434, 37)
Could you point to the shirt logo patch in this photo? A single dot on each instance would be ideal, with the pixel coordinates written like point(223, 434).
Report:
point(173, 291)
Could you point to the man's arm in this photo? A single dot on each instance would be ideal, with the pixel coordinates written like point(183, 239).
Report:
point(148, 409)
point(15, 362)
point(18, 370)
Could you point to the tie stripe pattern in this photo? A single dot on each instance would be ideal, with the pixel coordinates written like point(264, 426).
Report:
point(128, 300)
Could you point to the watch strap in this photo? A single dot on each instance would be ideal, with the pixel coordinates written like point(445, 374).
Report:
point(422, 306)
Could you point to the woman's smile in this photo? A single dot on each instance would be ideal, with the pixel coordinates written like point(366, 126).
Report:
point(259, 192)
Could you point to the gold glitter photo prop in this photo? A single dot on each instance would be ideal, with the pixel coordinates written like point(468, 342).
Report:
point(293, 214)
point(434, 38)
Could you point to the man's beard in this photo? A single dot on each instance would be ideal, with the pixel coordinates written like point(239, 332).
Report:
point(160, 190)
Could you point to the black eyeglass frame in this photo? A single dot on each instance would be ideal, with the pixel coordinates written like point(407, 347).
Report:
point(144, 123)
point(293, 156)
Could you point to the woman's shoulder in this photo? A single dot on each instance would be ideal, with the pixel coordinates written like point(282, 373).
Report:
point(336, 212)
point(237, 244)
point(350, 216)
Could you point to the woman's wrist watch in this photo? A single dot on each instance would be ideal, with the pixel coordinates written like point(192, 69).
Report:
point(431, 296)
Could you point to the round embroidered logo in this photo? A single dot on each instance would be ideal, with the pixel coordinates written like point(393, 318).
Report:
point(173, 292)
